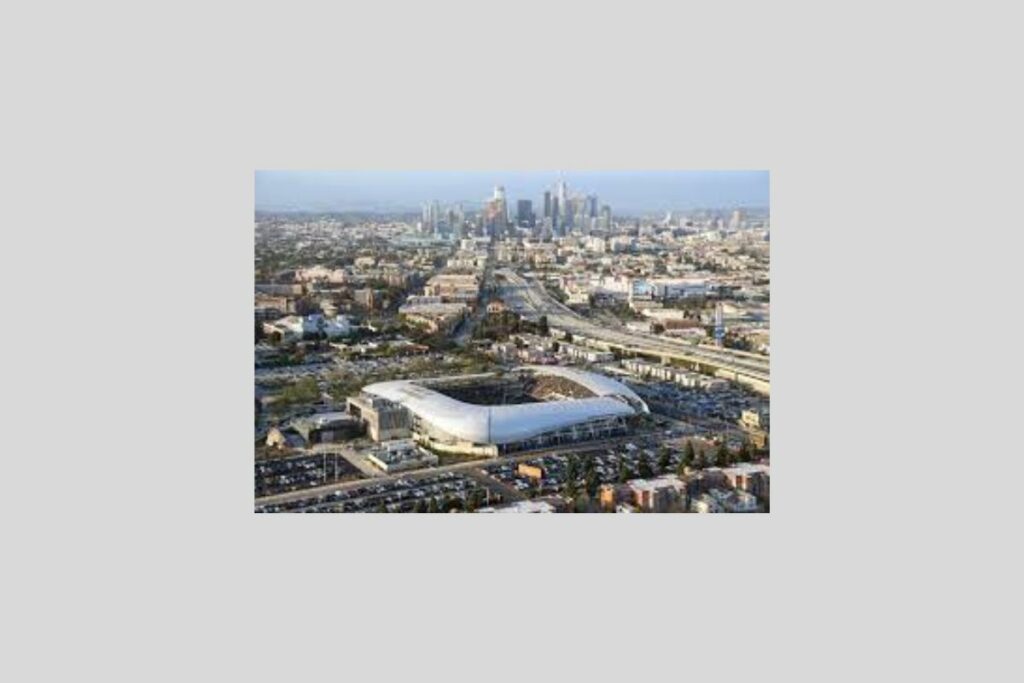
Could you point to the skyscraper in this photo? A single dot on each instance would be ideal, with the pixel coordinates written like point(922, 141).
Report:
point(736, 220)
point(547, 204)
point(524, 213)
point(496, 213)
point(431, 216)
point(561, 192)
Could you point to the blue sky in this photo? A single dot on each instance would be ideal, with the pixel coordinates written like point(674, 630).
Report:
point(623, 190)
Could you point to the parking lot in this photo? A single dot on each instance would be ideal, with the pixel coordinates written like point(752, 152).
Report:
point(605, 462)
point(447, 490)
point(300, 472)
point(707, 412)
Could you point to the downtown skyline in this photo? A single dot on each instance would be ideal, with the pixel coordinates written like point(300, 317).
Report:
point(389, 191)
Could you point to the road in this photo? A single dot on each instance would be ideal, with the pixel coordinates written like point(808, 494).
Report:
point(531, 300)
point(464, 332)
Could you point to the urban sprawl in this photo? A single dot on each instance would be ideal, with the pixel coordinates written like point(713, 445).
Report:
point(541, 355)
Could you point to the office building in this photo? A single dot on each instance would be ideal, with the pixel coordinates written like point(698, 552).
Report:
point(524, 213)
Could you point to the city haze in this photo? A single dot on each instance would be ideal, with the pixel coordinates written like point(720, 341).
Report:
point(628, 191)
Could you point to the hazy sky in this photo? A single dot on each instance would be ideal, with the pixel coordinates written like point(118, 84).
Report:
point(623, 190)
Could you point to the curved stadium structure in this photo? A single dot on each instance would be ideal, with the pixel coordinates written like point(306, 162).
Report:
point(531, 407)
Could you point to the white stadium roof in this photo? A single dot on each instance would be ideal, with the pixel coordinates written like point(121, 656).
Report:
point(510, 423)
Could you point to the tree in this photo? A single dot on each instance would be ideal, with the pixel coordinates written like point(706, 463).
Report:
point(644, 467)
point(698, 460)
point(689, 455)
point(305, 390)
point(663, 459)
point(722, 455)
point(572, 473)
point(381, 507)
point(625, 474)
point(591, 481)
point(681, 469)
point(420, 506)
point(432, 507)
point(744, 453)
point(543, 326)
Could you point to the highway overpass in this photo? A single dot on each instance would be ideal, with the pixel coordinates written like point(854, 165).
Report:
point(532, 301)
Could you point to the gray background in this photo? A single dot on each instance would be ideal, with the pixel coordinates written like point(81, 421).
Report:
point(131, 140)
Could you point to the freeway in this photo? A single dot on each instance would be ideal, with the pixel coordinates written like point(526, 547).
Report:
point(531, 300)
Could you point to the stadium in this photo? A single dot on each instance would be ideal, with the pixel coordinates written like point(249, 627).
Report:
point(530, 407)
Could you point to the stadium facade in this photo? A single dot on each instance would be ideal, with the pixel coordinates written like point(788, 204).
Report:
point(527, 408)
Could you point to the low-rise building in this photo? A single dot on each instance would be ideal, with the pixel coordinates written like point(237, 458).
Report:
point(528, 506)
point(670, 318)
point(296, 327)
point(670, 373)
point(401, 454)
point(366, 298)
point(269, 307)
point(735, 501)
point(610, 495)
point(327, 427)
point(754, 478)
point(658, 495)
point(434, 317)
point(584, 354)
point(454, 287)
point(284, 438)
point(754, 419)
